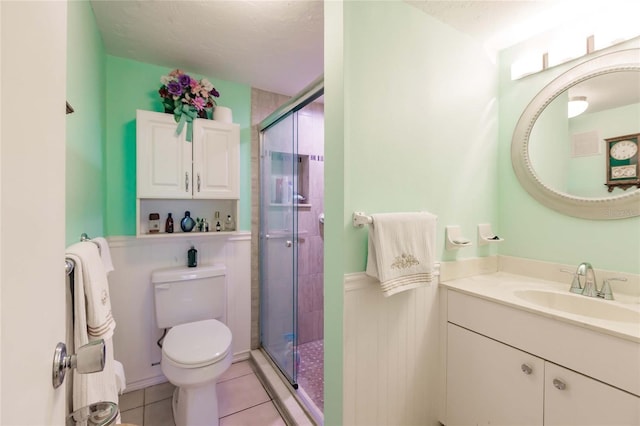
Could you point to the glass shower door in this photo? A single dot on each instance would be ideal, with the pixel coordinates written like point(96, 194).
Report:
point(279, 245)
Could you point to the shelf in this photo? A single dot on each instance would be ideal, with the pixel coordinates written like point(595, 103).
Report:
point(306, 206)
point(187, 234)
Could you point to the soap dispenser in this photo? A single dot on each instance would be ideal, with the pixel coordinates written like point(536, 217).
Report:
point(192, 257)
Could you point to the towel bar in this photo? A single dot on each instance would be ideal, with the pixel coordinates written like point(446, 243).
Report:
point(360, 219)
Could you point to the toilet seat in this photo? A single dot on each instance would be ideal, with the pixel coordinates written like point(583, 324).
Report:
point(197, 344)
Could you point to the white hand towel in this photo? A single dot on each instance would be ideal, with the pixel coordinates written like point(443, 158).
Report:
point(89, 272)
point(90, 291)
point(121, 381)
point(401, 250)
point(105, 253)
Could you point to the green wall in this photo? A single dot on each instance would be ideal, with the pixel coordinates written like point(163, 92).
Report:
point(532, 230)
point(85, 184)
point(133, 85)
point(410, 124)
point(421, 104)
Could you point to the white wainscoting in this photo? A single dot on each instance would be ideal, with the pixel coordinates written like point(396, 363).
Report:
point(391, 354)
point(132, 295)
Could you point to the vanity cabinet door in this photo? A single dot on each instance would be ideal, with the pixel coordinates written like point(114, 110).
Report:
point(163, 158)
point(216, 159)
point(574, 399)
point(491, 383)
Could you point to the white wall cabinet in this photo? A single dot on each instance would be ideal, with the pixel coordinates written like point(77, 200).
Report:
point(170, 167)
point(175, 176)
point(489, 382)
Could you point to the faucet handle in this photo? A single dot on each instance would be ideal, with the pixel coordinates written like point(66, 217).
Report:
point(575, 284)
point(605, 292)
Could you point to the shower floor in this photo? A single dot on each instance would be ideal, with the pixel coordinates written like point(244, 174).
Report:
point(311, 371)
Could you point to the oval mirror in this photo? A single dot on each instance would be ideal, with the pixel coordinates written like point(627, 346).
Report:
point(562, 161)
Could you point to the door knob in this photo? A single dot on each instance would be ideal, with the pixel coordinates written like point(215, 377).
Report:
point(89, 359)
point(526, 369)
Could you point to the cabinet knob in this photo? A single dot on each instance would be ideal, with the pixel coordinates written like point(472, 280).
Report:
point(186, 182)
point(526, 369)
point(559, 384)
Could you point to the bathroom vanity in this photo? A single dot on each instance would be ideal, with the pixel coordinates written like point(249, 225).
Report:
point(524, 351)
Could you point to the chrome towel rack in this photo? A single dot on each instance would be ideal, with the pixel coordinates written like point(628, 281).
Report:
point(69, 264)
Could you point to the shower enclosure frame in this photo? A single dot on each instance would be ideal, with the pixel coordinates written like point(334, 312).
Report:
point(296, 103)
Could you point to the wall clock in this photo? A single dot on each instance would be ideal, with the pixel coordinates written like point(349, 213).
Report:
point(622, 162)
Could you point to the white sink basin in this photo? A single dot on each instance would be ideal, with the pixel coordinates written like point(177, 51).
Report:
point(579, 305)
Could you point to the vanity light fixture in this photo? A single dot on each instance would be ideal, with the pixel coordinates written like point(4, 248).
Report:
point(577, 105)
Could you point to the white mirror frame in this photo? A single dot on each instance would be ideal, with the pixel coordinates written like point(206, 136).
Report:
point(619, 207)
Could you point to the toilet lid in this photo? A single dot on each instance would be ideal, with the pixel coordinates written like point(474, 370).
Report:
point(197, 344)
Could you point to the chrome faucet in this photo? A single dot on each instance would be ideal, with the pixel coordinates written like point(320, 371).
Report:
point(584, 282)
point(584, 279)
point(590, 286)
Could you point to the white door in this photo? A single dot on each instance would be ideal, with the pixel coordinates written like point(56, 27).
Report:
point(32, 223)
point(573, 399)
point(216, 159)
point(163, 158)
point(489, 383)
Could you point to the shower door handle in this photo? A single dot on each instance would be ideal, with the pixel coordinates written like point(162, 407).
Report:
point(289, 243)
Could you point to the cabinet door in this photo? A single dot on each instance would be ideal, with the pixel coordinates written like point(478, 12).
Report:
point(216, 159)
point(163, 158)
point(573, 399)
point(491, 383)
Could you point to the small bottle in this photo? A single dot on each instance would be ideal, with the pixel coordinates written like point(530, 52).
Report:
point(187, 223)
point(154, 223)
point(168, 225)
point(217, 219)
point(192, 257)
point(229, 224)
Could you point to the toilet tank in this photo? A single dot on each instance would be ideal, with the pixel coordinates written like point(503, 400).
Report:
point(189, 294)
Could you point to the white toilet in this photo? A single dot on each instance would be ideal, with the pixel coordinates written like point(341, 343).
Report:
point(197, 349)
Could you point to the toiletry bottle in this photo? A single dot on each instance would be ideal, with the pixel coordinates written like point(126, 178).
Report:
point(217, 219)
point(192, 257)
point(187, 223)
point(168, 225)
point(229, 224)
point(154, 223)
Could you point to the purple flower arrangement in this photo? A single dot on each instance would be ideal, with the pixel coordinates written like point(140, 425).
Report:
point(179, 90)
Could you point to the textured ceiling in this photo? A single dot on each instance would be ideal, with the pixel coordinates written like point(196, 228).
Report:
point(271, 45)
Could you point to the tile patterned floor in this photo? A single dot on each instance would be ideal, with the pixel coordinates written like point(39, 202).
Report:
point(311, 371)
point(242, 400)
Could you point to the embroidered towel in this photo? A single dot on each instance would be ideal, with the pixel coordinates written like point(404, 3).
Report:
point(105, 253)
point(401, 250)
point(92, 306)
point(90, 272)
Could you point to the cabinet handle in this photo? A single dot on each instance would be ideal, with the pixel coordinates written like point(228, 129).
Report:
point(526, 369)
point(559, 384)
point(198, 182)
point(186, 181)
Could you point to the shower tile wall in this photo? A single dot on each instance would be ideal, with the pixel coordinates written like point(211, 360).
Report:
point(311, 251)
